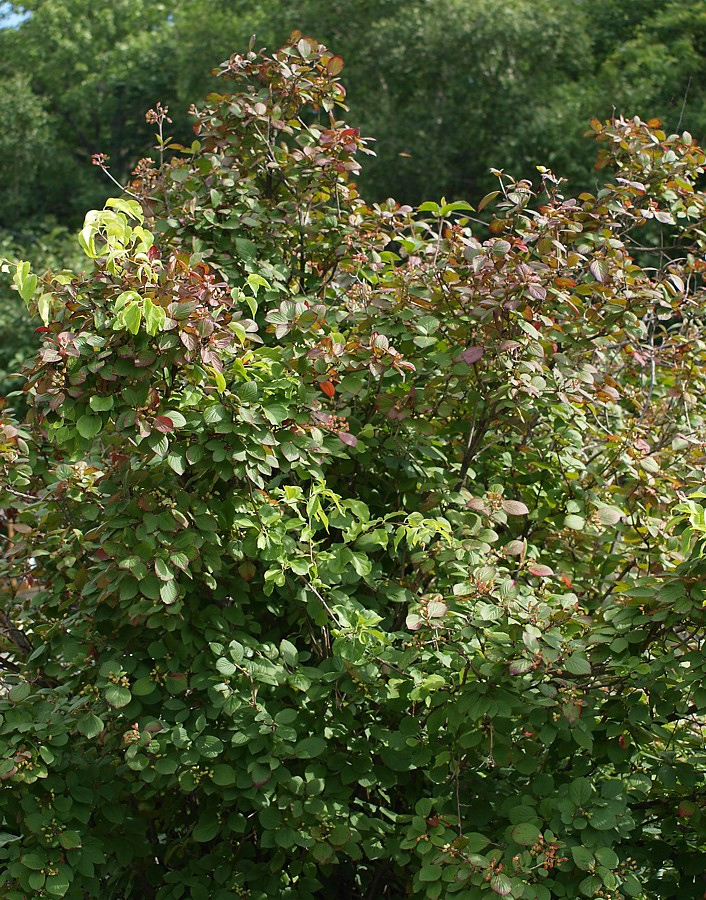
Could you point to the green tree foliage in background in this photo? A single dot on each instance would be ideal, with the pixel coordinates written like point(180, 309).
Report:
point(358, 550)
point(458, 86)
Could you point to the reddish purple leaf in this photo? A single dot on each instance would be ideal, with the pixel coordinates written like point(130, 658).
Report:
point(514, 508)
point(541, 571)
point(471, 355)
point(163, 424)
point(350, 440)
point(334, 65)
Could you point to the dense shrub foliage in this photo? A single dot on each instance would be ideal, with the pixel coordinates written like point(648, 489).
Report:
point(349, 548)
point(50, 248)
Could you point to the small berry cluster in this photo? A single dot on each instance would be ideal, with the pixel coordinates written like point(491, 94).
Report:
point(325, 828)
point(145, 173)
point(120, 679)
point(482, 588)
point(628, 866)
point(158, 115)
point(133, 735)
point(547, 852)
point(495, 500)
point(358, 296)
point(335, 423)
point(157, 675)
point(495, 867)
point(198, 774)
point(23, 763)
point(49, 832)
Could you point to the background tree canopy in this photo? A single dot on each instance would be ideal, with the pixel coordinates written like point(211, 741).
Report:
point(458, 86)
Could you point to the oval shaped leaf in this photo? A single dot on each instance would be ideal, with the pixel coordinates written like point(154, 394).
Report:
point(515, 508)
point(117, 696)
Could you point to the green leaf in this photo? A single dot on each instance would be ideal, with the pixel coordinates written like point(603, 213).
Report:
point(430, 872)
point(25, 281)
point(58, 885)
point(577, 664)
point(143, 687)
point(218, 378)
point(607, 857)
point(101, 404)
point(501, 885)
point(206, 829)
point(248, 391)
point(223, 775)
point(631, 886)
point(599, 269)
point(90, 725)
point(131, 317)
point(131, 208)
point(177, 683)
point(175, 461)
point(226, 667)
point(590, 885)
point(168, 592)
point(276, 413)
point(208, 745)
point(194, 453)
point(424, 806)
point(177, 418)
point(288, 652)
point(576, 523)
point(525, 833)
point(180, 560)
point(609, 515)
point(69, 840)
point(603, 819)
point(310, 747)
point(44, 307)
point(36, 880)
point(583, 857)
point(155, 316)
point(89, 426)
point(19, 692)
point(162, 570)
point(117, 696)
point(236, 651)
point(580, 791)
point(488, 198)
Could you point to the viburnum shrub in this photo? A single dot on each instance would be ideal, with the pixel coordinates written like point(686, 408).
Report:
point(338, 555)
